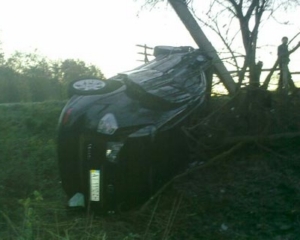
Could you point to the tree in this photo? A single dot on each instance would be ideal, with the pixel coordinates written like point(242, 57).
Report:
point(31, 77)
point(1, 55)
point(34, 81)
point(9, 87)
point(250, 15)
point(38, 73)
point(243, 18)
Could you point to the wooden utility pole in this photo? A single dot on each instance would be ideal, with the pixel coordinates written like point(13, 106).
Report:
point(199, 37)
point(145, 47)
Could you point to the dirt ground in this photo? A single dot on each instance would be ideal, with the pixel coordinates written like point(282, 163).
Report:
point(244, 182)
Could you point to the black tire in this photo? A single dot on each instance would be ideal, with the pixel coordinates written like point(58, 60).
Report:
point(93, 86)
point(68, 163)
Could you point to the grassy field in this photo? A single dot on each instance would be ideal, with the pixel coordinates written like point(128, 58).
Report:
point(253, 193)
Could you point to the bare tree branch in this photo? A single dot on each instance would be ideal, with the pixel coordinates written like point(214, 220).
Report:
point(216, 29)
point(208, 163)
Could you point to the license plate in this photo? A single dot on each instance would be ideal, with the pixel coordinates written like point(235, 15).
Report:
point(95, 185)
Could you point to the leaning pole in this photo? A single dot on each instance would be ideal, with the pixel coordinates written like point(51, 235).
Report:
point(201, 40)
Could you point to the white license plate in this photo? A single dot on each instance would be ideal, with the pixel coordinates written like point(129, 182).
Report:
point(95, 185)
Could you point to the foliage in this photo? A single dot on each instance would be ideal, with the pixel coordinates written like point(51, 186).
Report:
point(32, 202)
point(30, 77)
point(251, 194)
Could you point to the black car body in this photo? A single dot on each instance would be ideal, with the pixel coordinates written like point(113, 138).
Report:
point(119, 139)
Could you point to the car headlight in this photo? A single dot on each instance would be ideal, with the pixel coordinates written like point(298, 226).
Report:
point(112, 150)
point(108, 124)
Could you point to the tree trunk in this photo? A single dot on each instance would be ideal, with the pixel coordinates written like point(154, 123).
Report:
point(198, 35)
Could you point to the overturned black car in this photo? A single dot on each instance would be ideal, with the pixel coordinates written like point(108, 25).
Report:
point(120, 139)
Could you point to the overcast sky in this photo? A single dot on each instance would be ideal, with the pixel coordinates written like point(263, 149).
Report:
point(101, 32)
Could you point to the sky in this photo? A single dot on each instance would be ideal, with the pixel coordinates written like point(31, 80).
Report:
point(100, 32)
point(105, 32)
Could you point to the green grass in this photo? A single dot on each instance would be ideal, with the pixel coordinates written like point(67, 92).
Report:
point(32, 203)
point(252, 194)
point(28, 164)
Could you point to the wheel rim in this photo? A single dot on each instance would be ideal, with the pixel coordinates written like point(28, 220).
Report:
point(89, 85)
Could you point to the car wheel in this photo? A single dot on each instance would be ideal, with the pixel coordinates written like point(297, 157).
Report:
point(92, 86)
point(68, 163)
